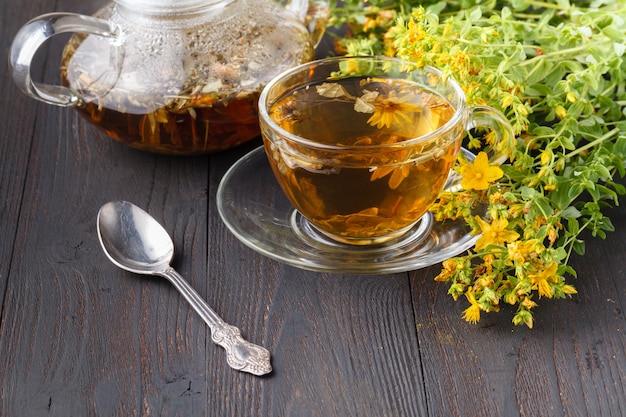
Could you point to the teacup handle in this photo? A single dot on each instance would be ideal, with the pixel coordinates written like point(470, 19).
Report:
point(33, 35)
point(503, 142)
point(504, 137)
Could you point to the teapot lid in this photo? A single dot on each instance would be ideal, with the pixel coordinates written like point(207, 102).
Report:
point(170, 7)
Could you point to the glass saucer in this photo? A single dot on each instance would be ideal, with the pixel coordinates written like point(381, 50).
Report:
point(258, 213)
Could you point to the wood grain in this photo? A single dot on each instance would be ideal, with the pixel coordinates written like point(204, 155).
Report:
point(79, 337)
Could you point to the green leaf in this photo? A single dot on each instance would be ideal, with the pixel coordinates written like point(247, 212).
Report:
point(574, 190)
point(559, 254)
point(538, 90)
point(566, 142)
point(599, 233)
point(542, 206)
point(606, 193)
point(510, 197)
point(603, 172)
point(614, 34)
point(518, 4)
point(591, 121)
point(546, 131)
point(607, 225)
point(537, 74)
point(566, 192)
point(569, 270)
point(438, 7)
point(573, 226)
point(571, 213)
point(578, 246)
point(476, 14)
point(554, 76)
point(592, 189)
point(528, 193)
point(619, 188)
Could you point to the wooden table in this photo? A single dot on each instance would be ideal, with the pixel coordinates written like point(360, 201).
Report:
point(79, 337)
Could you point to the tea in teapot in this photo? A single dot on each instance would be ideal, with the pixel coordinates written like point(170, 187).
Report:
point(174, 77)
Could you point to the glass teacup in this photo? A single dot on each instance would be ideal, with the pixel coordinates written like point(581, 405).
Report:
point(362, 146)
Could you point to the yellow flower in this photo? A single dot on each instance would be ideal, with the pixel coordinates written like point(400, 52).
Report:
point(471, 313)
point(369, 24)
point(569, 289)
point(488, 261)
point(521, 251)
point(449, 268)
point(494, 233)
point(510, 298)
point(391, 111)
point(496, 198)
point(528, 304)
point(507, 100)
point(414, 28)
point(541, 281)
point(478, 175)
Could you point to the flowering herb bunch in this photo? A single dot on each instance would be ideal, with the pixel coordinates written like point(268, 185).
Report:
point(556, 70)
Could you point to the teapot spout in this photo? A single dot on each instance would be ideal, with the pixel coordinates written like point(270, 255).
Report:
point(314, 14)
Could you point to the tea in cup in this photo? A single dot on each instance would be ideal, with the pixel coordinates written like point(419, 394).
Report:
point(362, 146)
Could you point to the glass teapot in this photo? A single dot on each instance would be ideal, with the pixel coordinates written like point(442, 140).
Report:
point(172, 76)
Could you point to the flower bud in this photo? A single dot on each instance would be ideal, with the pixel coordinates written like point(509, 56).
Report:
point(571, 97)
point(561, 112)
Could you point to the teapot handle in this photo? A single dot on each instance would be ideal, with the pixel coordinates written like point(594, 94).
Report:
point(32, 36)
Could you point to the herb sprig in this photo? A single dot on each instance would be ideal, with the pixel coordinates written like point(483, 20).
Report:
point(556, 70)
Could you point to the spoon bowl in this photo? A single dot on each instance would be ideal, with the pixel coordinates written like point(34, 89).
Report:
point(134, 241)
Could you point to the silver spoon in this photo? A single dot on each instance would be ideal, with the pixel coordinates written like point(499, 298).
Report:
point(136, 242)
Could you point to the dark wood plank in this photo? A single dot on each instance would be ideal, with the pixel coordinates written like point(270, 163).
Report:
point(468, 370)
point(17, 119)
point(341, 345)
point(582, 341)
point(572, 363)
point(86, 335)
point(80, 337)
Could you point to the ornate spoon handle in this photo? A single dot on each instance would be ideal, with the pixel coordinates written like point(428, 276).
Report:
point(240, 354)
